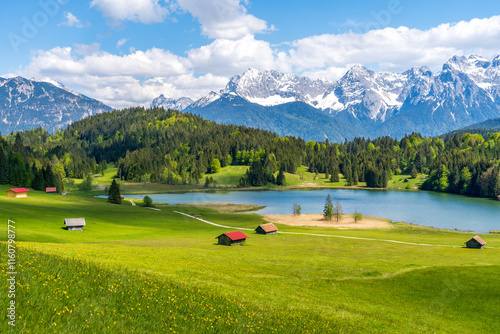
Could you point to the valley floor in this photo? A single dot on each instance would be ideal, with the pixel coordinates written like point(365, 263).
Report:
point(136, 270)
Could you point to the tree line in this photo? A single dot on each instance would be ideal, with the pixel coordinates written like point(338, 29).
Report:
point(171, 147)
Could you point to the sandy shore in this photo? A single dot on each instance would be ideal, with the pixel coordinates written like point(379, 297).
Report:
point(347, 221)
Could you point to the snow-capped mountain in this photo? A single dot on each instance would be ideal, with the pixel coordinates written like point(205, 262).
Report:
point(270, 88)
point(27, 104)
point(465, 91)
point(168, 103)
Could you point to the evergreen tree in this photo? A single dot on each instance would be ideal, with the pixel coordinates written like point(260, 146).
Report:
point(114, 195)
point(4, 168)
point(280, 179)
point(328, 209)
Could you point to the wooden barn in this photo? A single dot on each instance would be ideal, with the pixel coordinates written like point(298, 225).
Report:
point(50, 190)
point(74, 224)
point(17, 192)
point(232, 238)
point(266, 229)
point(476, 242)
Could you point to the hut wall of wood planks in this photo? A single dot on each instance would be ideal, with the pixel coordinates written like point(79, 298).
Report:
point(266, 229)
point(74, 224)
point(232, 238)
point(477, 242)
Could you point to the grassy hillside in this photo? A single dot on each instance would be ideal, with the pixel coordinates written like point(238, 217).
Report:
point(228, 177)
point(139, 270)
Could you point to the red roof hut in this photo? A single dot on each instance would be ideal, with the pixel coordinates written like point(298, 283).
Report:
point(17, 192)
point(232, 238)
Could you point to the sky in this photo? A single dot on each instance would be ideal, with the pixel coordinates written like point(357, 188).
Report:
point(128, 52)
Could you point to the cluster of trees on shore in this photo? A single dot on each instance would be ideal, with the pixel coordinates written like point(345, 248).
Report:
point(19, 168)
point(168, 146)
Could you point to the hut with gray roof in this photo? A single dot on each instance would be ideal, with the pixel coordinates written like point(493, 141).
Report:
point(74, 224)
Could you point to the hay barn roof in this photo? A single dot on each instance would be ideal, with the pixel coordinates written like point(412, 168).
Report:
point(269, 227)
point(234, 236)
point(74, 221)
point(18, 190)
point(480, 240)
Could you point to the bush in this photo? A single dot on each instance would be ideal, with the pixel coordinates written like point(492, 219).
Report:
point(148, 202)
point(86, 184)
point(357, 216)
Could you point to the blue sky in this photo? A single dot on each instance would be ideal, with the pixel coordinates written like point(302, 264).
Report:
point(126, 52)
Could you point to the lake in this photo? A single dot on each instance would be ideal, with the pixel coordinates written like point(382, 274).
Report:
point(422, 208)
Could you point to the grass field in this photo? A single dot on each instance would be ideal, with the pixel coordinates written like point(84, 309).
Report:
point(228, 177)
point(146, 271)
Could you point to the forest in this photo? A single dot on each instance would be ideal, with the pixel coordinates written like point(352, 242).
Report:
point(168, 146)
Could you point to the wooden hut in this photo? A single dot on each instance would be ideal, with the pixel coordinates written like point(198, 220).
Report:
point(74, 224)
point(475, 242)
point(232, 238)
point(266, 229)
point(50, 190)
point(17, 192)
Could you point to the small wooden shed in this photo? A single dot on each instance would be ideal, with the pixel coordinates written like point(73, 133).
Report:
point(50, 190)
point(232, 238)
point(74, 224)
point(476, 242)
point(266, 229)
point(17, 192)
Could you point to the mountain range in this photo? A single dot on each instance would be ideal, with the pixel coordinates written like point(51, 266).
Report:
point(361, 103)
point(465, 91)
point(28, 104)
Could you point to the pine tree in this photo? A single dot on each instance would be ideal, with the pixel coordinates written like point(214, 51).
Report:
point(328, 210)
point(114, 193)
point(4, 168)
point(280, 179)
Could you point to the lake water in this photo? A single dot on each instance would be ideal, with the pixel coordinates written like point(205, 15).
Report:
point(422, 208)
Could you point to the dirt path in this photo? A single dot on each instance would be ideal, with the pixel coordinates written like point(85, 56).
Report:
point(314, 234)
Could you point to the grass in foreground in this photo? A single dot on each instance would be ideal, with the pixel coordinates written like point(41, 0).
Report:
point(287, 283)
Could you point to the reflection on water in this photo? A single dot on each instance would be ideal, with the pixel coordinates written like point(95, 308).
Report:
point(423, 208)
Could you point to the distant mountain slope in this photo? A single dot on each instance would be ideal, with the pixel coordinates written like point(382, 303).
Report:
point(464, 92)
point(168, 103)
point(292, 119)
point(483, 128)
point(27, 104)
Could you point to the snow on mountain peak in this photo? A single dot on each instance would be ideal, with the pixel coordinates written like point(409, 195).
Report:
point(50, 81)
point(369, 95)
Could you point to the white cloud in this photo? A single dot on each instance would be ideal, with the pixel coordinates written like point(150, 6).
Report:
point(121, 81)
point(227, 19)
point(392, 49)
point(230, 57)
point(139, 76)
point(144, 11)
point(121, 42)
point(73, 21)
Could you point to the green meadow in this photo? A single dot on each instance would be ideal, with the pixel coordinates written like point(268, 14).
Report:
point(138, 270)
point(229, 177)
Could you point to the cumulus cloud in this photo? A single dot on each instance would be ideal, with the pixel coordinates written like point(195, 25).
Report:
point(392, 49)
point(226, 19)
point(121, 81)
point(139, 76)
point(73, 21)
point(229, 57)
point(144, 11)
